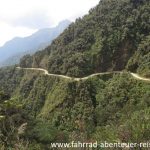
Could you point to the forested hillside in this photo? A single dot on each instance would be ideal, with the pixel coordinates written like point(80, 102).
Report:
point(37, 110)
point(51, 109)
point(113, 36)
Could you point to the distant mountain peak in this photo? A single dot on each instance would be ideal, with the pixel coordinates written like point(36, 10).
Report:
point(19, 46)
point(64, 22)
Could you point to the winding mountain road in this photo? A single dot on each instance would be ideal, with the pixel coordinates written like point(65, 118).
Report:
point(139, 77)
point(136, 76)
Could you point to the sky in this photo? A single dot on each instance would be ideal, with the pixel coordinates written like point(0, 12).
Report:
point(24, 17)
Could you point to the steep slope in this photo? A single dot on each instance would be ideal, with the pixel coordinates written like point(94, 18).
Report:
point(110, 37)
point(103, 108)
point(37, 110)
point(16, 48)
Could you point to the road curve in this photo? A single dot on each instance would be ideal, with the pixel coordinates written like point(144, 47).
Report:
point(136, 76)
point(139, 77)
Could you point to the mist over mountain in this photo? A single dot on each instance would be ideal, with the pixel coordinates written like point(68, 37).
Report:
point(16, 48)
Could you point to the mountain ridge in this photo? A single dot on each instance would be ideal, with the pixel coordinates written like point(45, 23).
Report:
point(106, 107)
point(26, 45)
point(110, 37)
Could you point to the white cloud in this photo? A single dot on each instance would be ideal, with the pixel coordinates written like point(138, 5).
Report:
point(35, 20)
point(8, 32)
point(19, 15)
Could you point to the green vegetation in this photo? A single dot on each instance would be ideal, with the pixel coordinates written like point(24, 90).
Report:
point(36, 109)
point(113, 36)
point(102, 108)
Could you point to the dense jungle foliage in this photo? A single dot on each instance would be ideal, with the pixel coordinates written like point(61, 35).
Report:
point(37, 110)
point(113, 36)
